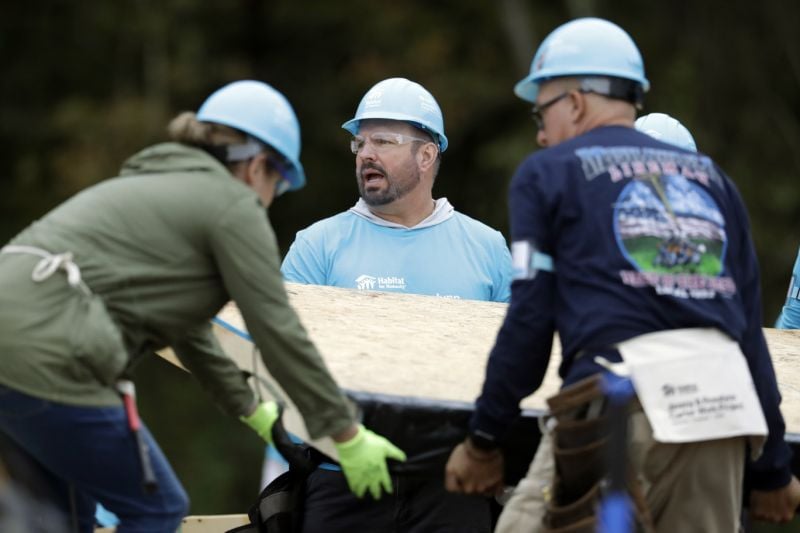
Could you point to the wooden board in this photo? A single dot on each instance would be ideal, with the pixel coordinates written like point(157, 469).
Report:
point(431, 348)
point(201, 524)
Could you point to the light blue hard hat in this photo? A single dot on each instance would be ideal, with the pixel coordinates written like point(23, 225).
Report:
point(260, 111)
point(584, 47)
point(401, 99)
point(666, 129)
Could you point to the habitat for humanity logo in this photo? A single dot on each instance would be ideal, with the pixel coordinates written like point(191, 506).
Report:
point(365, 282)
point(668, 389)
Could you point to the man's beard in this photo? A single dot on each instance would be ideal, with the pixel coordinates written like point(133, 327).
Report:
point(396, 188)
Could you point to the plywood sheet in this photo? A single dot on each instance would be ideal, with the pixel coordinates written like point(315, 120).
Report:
point(432, 348)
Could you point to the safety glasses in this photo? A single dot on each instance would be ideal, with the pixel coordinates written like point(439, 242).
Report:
point(282, 168)
point(282, 186)
point(382, 141)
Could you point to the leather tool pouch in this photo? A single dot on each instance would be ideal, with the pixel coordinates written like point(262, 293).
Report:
point(580, 448)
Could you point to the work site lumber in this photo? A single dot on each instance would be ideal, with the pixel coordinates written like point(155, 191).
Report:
point(436, 348)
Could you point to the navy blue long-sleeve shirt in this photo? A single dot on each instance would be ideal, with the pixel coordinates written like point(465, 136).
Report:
point(645, 237)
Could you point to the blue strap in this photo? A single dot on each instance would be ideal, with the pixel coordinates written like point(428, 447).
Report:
point(542, 262)
point(323, 466)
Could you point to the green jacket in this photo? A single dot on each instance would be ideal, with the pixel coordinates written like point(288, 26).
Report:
point(162, 248)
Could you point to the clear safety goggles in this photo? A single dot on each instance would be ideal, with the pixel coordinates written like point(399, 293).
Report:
point(383, 141)
point(284, 184)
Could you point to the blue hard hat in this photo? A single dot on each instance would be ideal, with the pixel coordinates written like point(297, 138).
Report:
point(401, 99)
point(584, 47)
point(260, 111)
point(666, 129)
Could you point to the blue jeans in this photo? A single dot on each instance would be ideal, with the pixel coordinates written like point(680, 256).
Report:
point(92, 450)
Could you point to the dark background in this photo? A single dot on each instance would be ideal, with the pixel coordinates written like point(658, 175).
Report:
point(85, 84)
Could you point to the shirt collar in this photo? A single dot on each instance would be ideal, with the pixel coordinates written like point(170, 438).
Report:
point(442, 211)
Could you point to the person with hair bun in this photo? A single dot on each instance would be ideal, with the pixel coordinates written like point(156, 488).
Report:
point(144, 261)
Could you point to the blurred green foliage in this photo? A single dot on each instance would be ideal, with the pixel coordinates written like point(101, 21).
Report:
point(86, 84)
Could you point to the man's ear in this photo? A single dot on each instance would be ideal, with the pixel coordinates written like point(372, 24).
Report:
point(579, 103)
point(426, 156)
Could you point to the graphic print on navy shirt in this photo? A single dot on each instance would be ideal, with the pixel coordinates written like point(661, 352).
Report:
point(666, 224)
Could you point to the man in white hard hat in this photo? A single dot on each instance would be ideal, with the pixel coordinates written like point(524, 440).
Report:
point(654, 273)
point(398, 238)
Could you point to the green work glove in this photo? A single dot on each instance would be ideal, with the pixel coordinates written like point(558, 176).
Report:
point(262, 419)
point(363, 461)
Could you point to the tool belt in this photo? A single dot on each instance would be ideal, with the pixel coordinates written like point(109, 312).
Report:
point(580, 439)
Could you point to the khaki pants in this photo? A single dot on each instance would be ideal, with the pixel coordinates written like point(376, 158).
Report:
point(525, 510)
point(690, 488)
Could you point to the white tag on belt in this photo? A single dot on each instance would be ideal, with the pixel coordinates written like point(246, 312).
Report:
point(694, 385)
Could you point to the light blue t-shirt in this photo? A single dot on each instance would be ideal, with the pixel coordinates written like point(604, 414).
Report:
point(790, 315)
point(448, 254)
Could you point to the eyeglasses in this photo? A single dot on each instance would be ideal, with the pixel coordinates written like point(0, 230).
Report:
point(382, 141)
point(539, 109)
